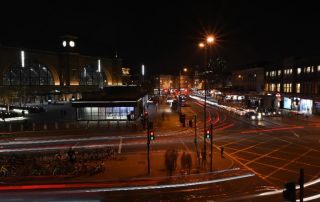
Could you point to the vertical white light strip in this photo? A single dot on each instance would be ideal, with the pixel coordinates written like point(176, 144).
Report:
point(85, 72)
point(142, 70)
point(22, 58)
point(99, 66)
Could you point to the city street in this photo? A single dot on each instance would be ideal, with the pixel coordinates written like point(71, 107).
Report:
point(271, 151)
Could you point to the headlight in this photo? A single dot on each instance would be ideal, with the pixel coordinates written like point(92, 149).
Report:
point(274, 112)
point(263, 114)
point(253, 117)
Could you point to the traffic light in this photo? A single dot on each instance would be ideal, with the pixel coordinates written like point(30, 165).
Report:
point(208, 134)
point(289, 192)
point(151, 135)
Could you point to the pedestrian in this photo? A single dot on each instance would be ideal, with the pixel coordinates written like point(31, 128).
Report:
point(188, 163)
point(221, 152)
point(183, 161)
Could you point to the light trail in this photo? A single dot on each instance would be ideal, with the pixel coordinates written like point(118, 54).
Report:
point(99, 187)
point(271, 129)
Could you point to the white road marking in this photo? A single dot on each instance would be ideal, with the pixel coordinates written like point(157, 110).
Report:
point(120, 146)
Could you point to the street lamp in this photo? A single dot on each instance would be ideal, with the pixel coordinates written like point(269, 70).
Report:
point(209, 41)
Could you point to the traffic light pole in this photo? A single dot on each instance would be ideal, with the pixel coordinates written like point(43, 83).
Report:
point(211, 136)
point(148, 146)
point(195, 129)
point(301, 183)
point(205, 118)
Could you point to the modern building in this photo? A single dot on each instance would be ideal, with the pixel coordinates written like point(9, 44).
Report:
point(67, 73)
point(116, 103)
point(295, 85)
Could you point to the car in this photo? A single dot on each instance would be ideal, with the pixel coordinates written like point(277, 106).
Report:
point(253, 116)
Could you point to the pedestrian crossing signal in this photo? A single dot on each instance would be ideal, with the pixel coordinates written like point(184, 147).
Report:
point(208, 134)
point(151, 135)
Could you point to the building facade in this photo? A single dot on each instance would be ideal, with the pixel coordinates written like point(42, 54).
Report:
point(38, 72)
point(295, 87)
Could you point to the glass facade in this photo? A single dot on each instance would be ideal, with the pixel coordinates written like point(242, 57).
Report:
point(91, 76)
point(105, 113)
point(35, 74)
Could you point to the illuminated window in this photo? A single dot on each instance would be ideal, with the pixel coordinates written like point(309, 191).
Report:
point(31, 74)
point(279, 72)
point(266, 87)
point(278, 87)
point(290, 71)
point(273, 87)
point(298, 88)
point(312, 69)
point(318, 68)
point(267, 73)
point(90, 76)
point(287, 87)
point(299, 70)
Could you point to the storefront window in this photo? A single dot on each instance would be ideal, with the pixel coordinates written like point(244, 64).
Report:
point(306, 106)
point(287, 103)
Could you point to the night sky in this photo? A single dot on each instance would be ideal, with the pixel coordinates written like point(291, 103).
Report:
point(164, 34)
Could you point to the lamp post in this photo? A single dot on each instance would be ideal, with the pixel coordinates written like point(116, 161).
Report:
point(184, 70)
point(209, 41)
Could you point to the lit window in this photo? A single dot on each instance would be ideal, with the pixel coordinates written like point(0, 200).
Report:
point(267, 73)
point(64, 43)
point(299, 70)
point(71, 43)
point(290, 71)
point(279, 72)
point(318, 68)
point(266, 87)
point(311, 69)
point(308, 69)
point(298, 88)
point(273, 87)
point(278, 87)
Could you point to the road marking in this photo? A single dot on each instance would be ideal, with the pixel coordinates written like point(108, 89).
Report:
point(252, 146)
point(290, 162)
point(267, 154)
point(120, 146)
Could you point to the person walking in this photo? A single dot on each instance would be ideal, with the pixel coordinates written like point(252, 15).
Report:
point(221, 152)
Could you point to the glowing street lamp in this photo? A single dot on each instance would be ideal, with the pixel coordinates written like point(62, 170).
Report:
point(210, 39)
point(201, 45)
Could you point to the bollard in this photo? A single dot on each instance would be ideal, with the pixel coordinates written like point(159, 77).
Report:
point(45, 127)
point(21, 127)
point(118, 124)
point(10, 128)
point(56, 125)
point(33, 126)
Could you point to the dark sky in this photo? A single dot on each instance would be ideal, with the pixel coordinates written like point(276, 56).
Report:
point(164, 34)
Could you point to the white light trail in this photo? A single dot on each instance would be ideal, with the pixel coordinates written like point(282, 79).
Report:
point(170, 185)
